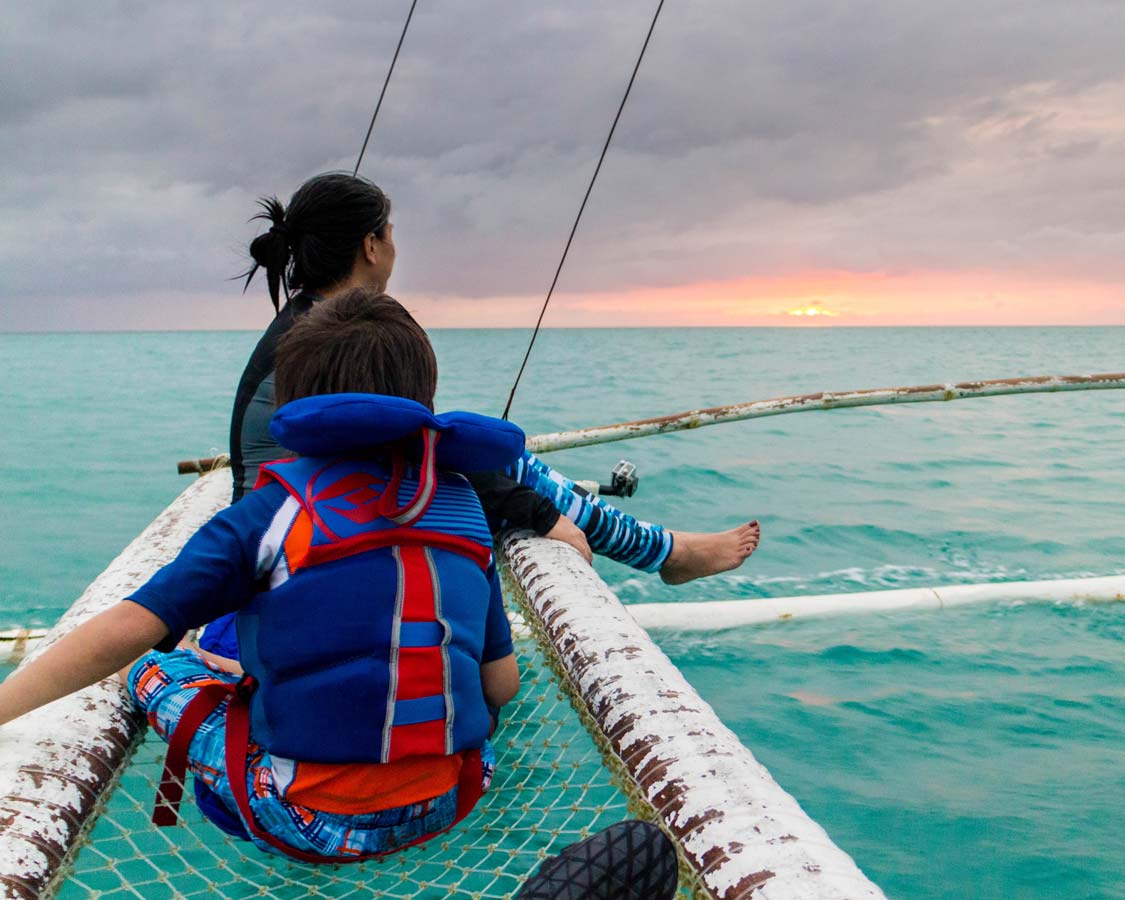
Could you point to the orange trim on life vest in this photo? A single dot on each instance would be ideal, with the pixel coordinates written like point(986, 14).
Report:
point(354, 789)
point(298, 541)
point(469, 788)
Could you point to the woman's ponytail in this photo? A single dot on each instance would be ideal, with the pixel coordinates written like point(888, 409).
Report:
point(312, 245)
point(272, 251)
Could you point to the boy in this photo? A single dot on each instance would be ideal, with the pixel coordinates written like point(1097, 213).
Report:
point(373, 636)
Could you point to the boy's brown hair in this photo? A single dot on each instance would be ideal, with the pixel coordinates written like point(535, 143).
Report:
point(358, 342)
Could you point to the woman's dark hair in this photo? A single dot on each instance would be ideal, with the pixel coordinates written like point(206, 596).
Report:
point(312, 244)
point(360, 341)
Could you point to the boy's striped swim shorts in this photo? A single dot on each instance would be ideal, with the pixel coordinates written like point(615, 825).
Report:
point(164, 683)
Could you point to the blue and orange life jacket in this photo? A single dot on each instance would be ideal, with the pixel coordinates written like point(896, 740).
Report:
point(389, 608)
point(364, 644)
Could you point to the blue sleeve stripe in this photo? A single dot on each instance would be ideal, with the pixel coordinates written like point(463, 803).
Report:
point(424, 709)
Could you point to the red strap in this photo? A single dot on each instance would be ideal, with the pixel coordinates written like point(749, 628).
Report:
point(406, 537)
point(469, 787)
point(166, 811)
point(237, 745)
point(238, 740)
point(265, 476)
point(417, 505)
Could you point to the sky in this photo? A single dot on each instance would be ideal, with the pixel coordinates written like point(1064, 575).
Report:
point(780, 162)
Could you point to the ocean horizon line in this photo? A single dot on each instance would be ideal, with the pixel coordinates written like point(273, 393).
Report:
point(528, 328)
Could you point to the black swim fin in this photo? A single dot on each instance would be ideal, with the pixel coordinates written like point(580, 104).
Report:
point(630, 860)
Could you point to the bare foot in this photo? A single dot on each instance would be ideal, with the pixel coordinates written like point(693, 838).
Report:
point(696, 554)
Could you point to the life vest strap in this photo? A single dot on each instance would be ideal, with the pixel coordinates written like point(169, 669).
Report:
point(166, 812)
point(167, 809)
point(417, 505)
point(392, 537)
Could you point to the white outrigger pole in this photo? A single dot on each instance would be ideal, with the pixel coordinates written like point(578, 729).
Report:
point(733, 613)
point(758, 409)
point(720, 614)
point(715, 615)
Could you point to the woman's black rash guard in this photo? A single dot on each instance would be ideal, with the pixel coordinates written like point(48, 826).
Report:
point(250, 440)
point(507, 504)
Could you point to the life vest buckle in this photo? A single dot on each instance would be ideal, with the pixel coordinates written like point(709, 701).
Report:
point(245, 687)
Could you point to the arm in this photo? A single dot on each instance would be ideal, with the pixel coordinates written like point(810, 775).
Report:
point(508, 504)
point(94, 650)
point(499, 673)
point(500, 680)
point(215, 572)
point(212, 575)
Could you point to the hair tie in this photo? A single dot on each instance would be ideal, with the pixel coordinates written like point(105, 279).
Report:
point(281, 229)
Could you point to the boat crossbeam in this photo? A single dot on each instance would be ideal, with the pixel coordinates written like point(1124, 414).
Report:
point(825, 400)
point(717, 615)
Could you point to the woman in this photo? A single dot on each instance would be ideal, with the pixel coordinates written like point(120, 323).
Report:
point(335, 235)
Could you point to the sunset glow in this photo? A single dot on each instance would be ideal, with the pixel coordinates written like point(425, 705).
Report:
point(826, 299)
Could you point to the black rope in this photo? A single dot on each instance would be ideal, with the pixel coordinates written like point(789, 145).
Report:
point(383, 92)
point(578, 218)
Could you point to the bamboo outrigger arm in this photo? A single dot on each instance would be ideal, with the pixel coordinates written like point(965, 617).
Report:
point(716, 615)
point(740, 834)
point(757, 409)
point(58, 763)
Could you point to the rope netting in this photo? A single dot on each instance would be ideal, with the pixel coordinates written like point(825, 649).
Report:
point(550, 789)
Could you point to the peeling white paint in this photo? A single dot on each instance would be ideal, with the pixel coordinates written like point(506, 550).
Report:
point(714, 615)
point(737, 412)
point(746, 836)
point(56, 761)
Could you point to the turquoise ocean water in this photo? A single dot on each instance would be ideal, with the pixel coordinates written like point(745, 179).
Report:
point(977, 752)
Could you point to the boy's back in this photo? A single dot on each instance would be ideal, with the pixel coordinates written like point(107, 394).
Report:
point(367, 603)
point(399, 616)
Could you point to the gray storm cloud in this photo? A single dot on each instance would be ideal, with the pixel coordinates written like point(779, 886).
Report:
point(761, 138)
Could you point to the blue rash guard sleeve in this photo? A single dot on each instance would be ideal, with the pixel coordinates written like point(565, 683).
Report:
point(497, 630)
point(215, 572)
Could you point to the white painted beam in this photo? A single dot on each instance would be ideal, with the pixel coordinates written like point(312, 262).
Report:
point(56, 762)
point(742, 833)
point(757, 409)
point(714, 615)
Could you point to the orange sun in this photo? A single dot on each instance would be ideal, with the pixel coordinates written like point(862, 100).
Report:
point(811, 311)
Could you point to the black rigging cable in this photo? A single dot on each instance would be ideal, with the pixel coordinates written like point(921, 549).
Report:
point(383, 92)
point(578, 218)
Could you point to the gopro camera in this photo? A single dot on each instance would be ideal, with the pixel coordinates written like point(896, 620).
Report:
point(622, 481)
